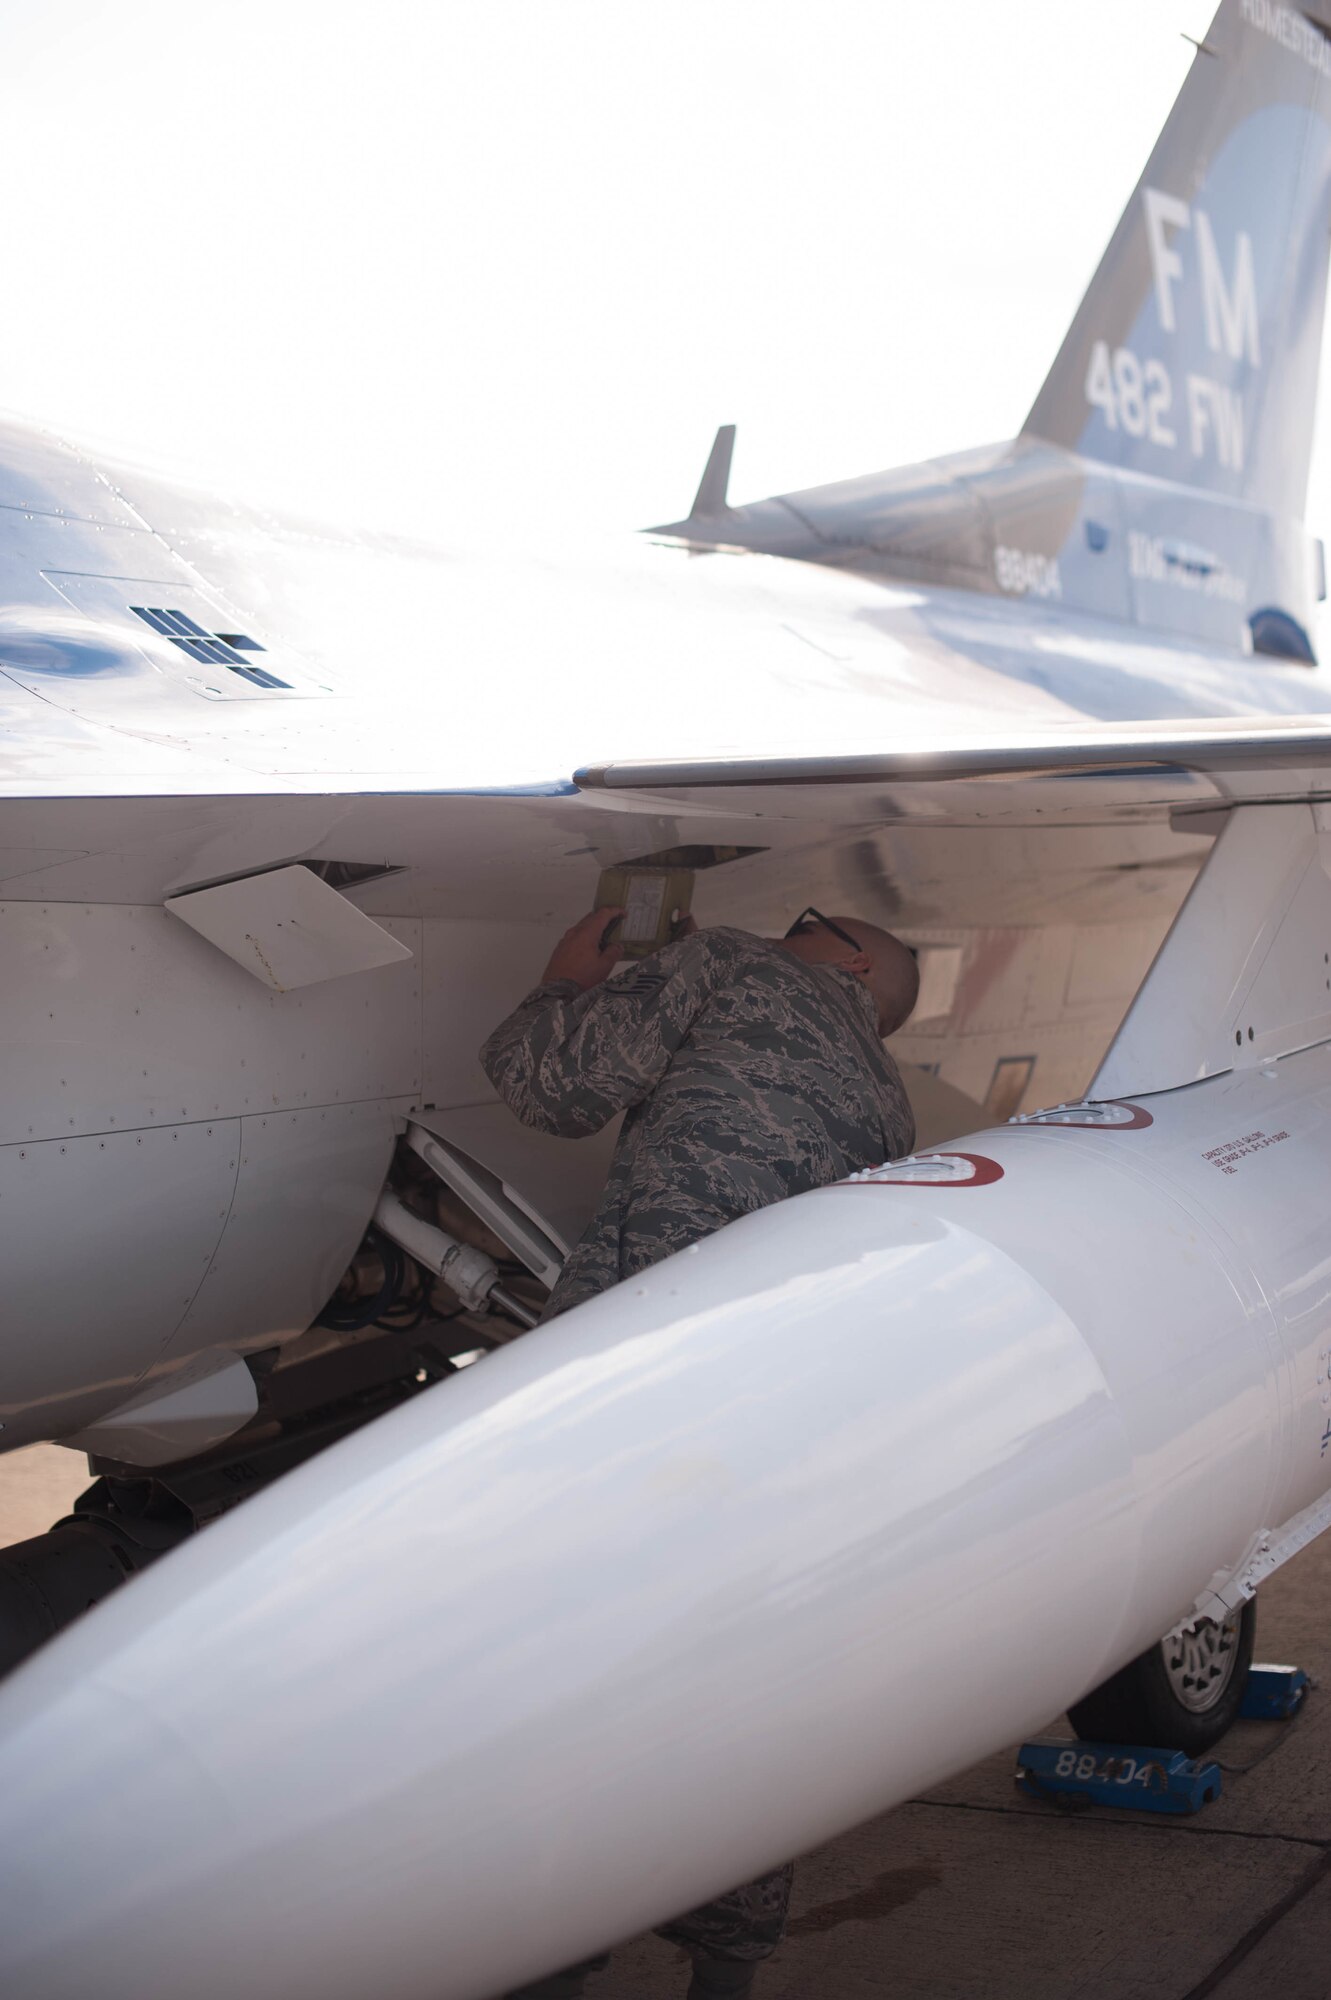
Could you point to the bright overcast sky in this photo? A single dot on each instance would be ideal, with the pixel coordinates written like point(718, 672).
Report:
point(510, 262)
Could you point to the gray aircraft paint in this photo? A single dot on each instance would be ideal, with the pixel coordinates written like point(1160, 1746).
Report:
point(1205, 315)
point(1161, 474)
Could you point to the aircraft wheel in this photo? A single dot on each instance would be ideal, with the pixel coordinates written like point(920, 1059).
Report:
point(1181, 1694)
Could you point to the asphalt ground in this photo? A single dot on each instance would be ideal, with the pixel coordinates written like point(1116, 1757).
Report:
point(976, 1893)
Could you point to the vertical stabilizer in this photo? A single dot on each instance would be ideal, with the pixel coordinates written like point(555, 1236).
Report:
point(710, 498)
point(1194, 354)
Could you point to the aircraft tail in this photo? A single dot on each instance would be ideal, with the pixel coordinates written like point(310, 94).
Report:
point(1194, 355)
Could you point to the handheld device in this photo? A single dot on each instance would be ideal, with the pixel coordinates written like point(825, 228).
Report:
point(653, 901)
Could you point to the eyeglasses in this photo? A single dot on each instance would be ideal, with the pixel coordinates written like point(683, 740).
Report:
point(801, 928)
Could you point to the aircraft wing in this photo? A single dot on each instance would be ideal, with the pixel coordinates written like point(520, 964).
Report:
point(1251, 759)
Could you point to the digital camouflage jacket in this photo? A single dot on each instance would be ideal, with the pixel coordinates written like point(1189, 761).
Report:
point(746, 1076)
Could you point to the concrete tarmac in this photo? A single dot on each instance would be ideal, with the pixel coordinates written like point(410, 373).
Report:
point(975, 1893)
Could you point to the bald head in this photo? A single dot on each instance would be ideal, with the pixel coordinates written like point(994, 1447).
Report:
point(883, 962)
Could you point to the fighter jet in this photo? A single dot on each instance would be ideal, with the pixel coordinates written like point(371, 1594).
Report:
point(517, 1657)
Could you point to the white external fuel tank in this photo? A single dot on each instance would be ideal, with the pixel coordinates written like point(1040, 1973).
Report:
point(809, 1516)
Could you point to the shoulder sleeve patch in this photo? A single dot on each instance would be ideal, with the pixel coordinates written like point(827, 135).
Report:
point(636, 986)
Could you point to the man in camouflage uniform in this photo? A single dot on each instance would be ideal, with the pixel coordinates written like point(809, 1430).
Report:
point(749, 1069)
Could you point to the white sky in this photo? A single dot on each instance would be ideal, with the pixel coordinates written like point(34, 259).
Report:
point(510, 262)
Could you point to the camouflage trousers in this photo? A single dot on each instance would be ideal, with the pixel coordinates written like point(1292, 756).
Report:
point(746, 1924)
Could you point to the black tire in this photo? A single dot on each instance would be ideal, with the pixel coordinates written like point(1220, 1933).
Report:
point(1181, 1695)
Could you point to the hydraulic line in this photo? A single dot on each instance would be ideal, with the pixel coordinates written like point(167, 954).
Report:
point(468, 1272)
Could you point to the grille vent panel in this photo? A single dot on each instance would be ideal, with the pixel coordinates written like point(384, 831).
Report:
point(209, 649)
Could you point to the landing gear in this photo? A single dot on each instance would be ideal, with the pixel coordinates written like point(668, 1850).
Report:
point(118, 1526)
point(418, 1302)
point(127, 1519)
point(1182, 1694)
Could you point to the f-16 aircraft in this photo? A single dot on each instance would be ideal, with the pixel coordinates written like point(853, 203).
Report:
point(519, 1657)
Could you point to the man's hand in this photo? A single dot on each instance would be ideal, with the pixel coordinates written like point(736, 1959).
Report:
point(580, 955)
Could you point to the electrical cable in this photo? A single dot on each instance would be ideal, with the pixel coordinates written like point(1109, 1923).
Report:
point(353, 1318)
point(1289, 1724)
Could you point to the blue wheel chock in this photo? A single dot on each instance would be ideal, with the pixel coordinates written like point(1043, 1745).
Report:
point(1115, 1774)
point(1273, 1694)
point(1069, 1773)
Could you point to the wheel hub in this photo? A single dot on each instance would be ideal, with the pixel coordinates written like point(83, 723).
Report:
point(1200, 1659)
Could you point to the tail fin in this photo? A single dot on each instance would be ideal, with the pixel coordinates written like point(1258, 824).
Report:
point(1194, 355)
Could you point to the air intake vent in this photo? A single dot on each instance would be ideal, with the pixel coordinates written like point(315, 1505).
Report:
point(208, 648)
point(1276, 633)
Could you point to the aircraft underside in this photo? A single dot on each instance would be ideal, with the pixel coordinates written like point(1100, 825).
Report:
point(1088, 1346)
point(289, 820)
point(223, 1169)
